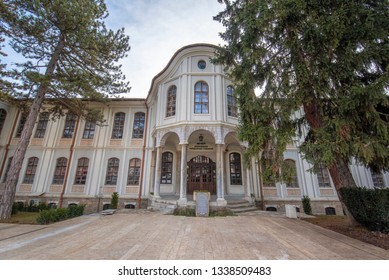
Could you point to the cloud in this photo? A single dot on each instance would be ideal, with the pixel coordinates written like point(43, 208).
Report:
point(157, 29)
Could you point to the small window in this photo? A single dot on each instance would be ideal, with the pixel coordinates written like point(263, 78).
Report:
point(235, 169)
point(167, 168)
point(271, 209)
point(118, 125)
point(29, 175)
point(139, 125)
point(201, 64)
point(201, 102)
point(82, 171)
point(106, 206)
point(129, 206)
point(330, 211)
point(231, 102)
point(3, 116)
point(60, 170)
point(134, 172)
point(22, 121)
point(89, 130)
point(42, 125)
point(70, 125)
point(171, 101)
point(72, 205)
point(111, 177)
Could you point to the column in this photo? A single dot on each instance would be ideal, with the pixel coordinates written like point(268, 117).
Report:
point(157, 182)
point(220, 201)
point(248, 183)
point(183, 175)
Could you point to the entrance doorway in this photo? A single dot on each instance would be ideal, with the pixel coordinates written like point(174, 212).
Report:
point(201, 175)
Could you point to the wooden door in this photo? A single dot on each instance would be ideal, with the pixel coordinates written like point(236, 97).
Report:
point(201, 175)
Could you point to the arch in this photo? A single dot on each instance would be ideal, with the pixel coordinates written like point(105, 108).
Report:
point(166, 135)
point(207, 133)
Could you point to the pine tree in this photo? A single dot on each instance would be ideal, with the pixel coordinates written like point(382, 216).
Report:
point(70, 54)
point(323, 67)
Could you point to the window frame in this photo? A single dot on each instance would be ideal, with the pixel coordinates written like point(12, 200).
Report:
point(22, 122)
point(118, 125)
point(232, 109)
point(201, 98)
point(112, 174)
point(70, 126)
point(138, 125)
point(42, 125)
point(81, 174)
point(89, 130)
point(235, 168)
point(133, 175)
point(29, 173)
point(167, 168)
point(323, 177)
point(60, 171)
point(171, 101)
point(3, 117)
point(377, 179)
point(294, 184)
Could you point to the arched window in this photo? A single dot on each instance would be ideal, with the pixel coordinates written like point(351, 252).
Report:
point(118, 125)
point(378, 179)
point(3, 116)
point(139, 125)
point(235, 169)
point(171, 101)
point(29, 175)
point(60, 170)
point(22, 121)
point(82, 171)
point(134, 172)
point(201, 98)
point(323, 177)
point(231, 102)
point(290, 173)
point(89, 130)
point(167, 168)
point(111, 177)
point(42, 125)
point(70, 125)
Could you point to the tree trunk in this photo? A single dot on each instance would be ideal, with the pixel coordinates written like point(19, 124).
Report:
point(13, 175)
point(339, 171)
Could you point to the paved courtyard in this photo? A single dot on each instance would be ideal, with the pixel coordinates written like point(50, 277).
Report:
point(145, 235)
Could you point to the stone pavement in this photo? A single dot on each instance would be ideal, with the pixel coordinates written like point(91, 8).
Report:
point(146, 235)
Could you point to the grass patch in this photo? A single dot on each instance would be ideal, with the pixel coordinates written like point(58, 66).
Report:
point(22, 218)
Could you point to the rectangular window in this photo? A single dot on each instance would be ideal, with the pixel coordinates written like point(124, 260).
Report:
point(89, 130)
point(42, 125)
point(29, 175)
point(139, 125)
point(70, 125)
point(22, 121)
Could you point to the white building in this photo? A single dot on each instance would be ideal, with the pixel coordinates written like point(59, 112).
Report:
point(181, 138)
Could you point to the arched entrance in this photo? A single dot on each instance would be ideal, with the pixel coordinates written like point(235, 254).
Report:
point(201, 175)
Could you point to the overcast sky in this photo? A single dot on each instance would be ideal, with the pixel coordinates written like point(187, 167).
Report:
point(157, 29)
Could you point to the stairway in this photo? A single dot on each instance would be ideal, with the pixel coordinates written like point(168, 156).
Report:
point(241, 206)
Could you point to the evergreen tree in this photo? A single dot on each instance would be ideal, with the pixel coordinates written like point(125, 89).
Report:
point(70, 54)
point(323, 68)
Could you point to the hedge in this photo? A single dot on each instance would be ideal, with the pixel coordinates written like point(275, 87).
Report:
point(370, 207)
point(60, 214)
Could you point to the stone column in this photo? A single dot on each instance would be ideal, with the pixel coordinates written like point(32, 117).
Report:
point(220, 176)
point(183, 175)
point(157, 181)
point(248, 183)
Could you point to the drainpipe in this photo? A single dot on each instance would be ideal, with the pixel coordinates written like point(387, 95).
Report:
point(260, 183)
point(9, 143)
point(143, 156)
point(69, 164)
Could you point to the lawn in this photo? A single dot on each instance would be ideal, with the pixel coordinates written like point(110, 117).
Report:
point(23, 218)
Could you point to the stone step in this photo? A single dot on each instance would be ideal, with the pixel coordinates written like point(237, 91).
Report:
point(243, 210)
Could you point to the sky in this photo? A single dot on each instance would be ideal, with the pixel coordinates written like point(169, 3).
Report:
point(157, 29)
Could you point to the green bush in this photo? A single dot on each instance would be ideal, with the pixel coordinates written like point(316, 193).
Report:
point(370, 207)
point(60, 214)
point(114, 200)
point(307, 205)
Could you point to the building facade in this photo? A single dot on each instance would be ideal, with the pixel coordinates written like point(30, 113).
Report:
point(180, 139)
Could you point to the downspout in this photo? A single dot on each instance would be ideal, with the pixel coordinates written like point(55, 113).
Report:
point(9, 143)
point(143, 156)
point(260, 183)
point(69, 164)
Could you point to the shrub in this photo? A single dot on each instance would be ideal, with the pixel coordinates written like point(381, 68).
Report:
point(370, 207)
point(60, 214)
point(307, 205)
point(114, 200)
